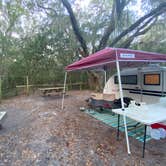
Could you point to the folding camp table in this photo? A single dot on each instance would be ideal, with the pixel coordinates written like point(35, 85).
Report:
point(148, 115)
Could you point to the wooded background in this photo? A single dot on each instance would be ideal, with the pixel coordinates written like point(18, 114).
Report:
point(39, 37)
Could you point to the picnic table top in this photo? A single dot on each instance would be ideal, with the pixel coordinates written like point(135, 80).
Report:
point(51, 88)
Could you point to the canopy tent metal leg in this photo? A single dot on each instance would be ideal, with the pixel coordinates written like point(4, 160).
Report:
point(64, 90)
point(122, 103)
point(105, 77)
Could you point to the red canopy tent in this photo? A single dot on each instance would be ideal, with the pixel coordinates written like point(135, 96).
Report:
point(112, 57)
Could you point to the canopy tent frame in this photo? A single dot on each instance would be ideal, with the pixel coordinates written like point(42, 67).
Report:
point(122, 102)
point(129, 56)
point(121, 96)
point(64, 90)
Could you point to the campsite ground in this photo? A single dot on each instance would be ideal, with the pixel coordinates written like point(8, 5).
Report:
point(38, 132)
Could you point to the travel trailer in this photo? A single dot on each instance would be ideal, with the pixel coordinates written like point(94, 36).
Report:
point(145, 84)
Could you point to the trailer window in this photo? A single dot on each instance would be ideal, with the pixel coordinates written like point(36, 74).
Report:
point(151, 79)
point(127, 79)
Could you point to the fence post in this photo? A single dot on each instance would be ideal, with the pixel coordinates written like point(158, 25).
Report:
point(0, 88)
point(80, 85)
point(27, 85)
point(70, 83)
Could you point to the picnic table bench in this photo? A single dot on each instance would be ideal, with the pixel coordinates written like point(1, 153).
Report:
point(50, 90)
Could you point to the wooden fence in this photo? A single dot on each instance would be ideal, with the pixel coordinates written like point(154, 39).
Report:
point(28, 88)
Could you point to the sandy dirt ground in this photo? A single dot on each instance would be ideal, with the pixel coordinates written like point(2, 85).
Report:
point(37, 132)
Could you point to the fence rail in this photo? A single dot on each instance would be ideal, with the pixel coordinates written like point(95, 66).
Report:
point(15, 86)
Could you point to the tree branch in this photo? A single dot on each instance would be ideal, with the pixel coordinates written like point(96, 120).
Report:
point(117, 9)
point(154, 13)
point(139, 32)
point(75, 26)
point(47, 8)
point(146, 23)
point(108, 30)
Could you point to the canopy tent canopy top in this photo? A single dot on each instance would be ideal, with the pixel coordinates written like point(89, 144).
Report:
point(107, 56)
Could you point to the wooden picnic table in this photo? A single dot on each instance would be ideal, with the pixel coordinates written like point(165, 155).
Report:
point(47, 91)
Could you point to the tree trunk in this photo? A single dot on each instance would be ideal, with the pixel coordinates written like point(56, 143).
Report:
point(95, 81)
point(75, 26)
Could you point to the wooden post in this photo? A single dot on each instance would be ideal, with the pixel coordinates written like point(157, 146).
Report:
point(0, 88)
point(27, 85)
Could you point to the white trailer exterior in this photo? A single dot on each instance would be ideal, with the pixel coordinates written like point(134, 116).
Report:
point(146, 84)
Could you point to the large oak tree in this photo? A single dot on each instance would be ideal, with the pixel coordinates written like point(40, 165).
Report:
point(127, 35)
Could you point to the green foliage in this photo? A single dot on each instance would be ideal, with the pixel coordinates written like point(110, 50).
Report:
point(37, 39)
point(155, 39)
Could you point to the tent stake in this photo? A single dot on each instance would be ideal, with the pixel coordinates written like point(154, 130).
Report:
point(122, 102)
point(64, 88)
